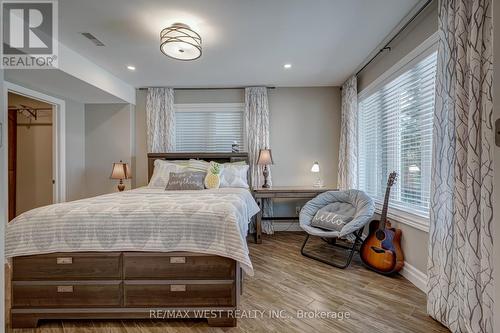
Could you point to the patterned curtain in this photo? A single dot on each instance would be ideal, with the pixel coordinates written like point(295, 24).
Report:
point(348, 149)
point(460, 279)
point(257, 134)
point(160, 120)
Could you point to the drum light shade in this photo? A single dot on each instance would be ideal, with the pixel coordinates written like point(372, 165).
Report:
point(180, 42)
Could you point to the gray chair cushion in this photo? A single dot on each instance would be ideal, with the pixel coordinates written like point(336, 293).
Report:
point(332, 218)
point(348, 203)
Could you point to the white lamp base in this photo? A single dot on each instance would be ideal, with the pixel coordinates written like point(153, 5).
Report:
point(318, 183)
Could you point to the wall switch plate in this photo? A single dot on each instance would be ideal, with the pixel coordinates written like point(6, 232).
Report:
point(497, 132)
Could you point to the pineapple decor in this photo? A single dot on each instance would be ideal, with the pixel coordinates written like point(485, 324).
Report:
point(212, 180)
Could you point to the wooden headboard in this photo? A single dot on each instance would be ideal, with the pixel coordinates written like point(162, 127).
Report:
point(216, 157)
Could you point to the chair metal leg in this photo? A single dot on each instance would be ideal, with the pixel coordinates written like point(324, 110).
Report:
point(352, 249)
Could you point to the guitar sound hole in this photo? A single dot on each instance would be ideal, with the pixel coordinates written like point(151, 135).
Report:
point(380, 235)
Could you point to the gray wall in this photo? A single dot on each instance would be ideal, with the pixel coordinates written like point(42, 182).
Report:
point(304, 127)
point(107, 140)
point(415, 242)
point(75, 151)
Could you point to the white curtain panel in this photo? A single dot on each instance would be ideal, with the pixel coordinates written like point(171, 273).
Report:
point(257, 135)
point(460, 265)
point(348, 149)
point(160, 120)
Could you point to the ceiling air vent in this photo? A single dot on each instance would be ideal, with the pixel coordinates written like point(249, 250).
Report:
point(92, 38)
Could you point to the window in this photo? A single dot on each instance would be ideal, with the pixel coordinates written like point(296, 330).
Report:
point(395, 133)
point(208, 127)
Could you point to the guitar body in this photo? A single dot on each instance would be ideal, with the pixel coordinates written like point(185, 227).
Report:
point(381, 251)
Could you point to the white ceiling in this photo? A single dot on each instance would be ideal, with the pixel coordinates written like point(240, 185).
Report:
point(245, 42)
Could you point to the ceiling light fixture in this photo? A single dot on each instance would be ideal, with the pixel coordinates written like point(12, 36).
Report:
point(180, 42)
point(132, 68)
point(287, 66)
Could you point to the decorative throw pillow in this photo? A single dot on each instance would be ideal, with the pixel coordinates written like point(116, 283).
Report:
point(161, 173)
point(328, 220)
point(189, 180)
point(212, 179)
point(234, 175)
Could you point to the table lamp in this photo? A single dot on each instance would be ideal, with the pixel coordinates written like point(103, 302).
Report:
point(120, 171)
point(265, 159)
point(315, 169)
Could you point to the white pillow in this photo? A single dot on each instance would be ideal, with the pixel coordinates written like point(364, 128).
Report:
point(234, 175)
point(161, 173)
point(198, 165)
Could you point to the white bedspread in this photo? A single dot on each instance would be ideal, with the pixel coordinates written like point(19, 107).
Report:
point(144, 219)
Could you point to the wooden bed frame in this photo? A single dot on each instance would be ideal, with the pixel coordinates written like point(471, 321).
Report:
point(128, 285)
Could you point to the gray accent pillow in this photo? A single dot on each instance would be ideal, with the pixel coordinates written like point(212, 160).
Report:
point(189, 180)
point(329, 218)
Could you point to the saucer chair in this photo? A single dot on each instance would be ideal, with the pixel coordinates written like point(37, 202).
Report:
point(354, 204)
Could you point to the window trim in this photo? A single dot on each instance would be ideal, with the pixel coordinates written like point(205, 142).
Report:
point(215, 107)
point(429, 46)
point(411, 219)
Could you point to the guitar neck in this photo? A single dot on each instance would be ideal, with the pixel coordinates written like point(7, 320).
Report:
point(383, 215)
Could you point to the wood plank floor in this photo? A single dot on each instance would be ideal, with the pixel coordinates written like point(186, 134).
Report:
point(286, 281)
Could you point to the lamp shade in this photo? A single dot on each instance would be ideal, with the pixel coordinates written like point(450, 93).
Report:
point(315, 167)
point(265, 157)
point(180, 42)
point(120, 171)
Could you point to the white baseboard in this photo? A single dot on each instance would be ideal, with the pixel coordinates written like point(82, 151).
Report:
point(412, 274)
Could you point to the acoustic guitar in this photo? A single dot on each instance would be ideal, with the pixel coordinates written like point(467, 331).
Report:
point(381, 250)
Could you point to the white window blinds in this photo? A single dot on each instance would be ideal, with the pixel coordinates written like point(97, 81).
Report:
point(395, 133)
point(208, 127)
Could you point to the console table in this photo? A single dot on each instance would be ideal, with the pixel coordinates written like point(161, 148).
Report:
point(298, 192)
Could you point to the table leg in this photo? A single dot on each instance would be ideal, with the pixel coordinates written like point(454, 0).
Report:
point(258, 224)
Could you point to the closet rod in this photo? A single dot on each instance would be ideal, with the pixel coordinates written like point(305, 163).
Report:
point(386, 46)
point(204, 88)
point(35, 124)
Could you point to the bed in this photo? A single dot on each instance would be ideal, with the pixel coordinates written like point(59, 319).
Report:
point(143, 253)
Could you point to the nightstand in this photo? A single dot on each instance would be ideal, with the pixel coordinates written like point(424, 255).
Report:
point(298, 192)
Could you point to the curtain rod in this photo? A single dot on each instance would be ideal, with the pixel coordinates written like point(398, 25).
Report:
point(386, 46)
point(205, 88)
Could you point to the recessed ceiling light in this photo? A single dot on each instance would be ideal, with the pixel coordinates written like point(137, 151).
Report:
point(132, 68)
point(287, 66)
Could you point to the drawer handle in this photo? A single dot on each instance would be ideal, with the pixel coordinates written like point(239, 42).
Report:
point(64, 289)
point(64, 261)
point(177, 260)
point(177, 287)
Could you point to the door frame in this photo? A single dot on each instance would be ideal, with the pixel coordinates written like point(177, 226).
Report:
point(58, 134)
